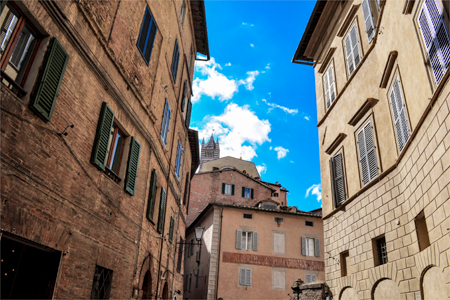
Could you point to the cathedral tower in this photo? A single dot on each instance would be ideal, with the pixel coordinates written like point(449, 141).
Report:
point(210, 151)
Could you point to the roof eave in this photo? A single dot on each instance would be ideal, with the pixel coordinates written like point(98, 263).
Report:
point(195, 153)
point(200, 29)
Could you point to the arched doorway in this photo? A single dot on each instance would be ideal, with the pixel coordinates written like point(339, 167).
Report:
point(165, 293)
point(349, 293)
point(147, 286)
point(433, 285)
point(386, 289)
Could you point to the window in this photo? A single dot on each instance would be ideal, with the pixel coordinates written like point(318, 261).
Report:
point(309, 223)
point(380, 252)
point(400, 117)
point(279, 243)
point(178, 161)
point(19, 42)
point(278, 220)
point(108, 148)
point(180, 255)
point(344, 263)
point(165, 124)
point(368, 19)
point(162, 210)
point(228, 189)
point(147, 36)
point(248, 216)
point(185, 282)
point(152, 196)
point(309, 278)
point(182, 12)
point(275, 194)
point(245, 277)
point(310, 246)
point(183, 96)
point(172, 224)
point(175, 59)
point(329, 86)
point(101, 285)
point(246, 240)
point(435, 37)
point(352, 51)
point(338, 180)
point(188, 113)
point(367, 153)
point(247, 192)
point(422, 231)
point(269, 206)
point(278, 279)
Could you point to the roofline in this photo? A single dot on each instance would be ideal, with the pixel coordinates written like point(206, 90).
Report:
point(195, 154)
point(299, 56)
point(212, 204)
point(200, 28)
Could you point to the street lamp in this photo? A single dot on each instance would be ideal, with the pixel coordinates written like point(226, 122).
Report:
point(296, 288)
point(199, 234)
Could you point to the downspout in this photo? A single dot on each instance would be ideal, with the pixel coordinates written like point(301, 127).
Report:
point(218, 261)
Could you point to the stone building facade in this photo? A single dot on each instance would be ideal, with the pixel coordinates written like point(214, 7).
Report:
point(382, 87)
point(97, 157)
point(253, 252)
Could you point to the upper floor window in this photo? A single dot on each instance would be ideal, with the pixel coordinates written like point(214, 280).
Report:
point(435, 37)
point(245, 277)
point(182, 11)
point(310, 246)
point(147, 36)
point(352, 51)
point(269, 206)
point(338, 179)
point(309, 223)
point(367, 153)
point(247, 192)
point(310, 278)
point(175, 59)
point(228, 189)
point(400, 117)
point(246, 240)
point(368, 19)
point(178, 161)
point(183, 96)
point(152, 196)
point(329, 86)
point(165, 124)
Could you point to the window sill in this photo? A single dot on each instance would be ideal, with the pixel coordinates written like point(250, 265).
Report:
point(111, 175)
point(12, 85)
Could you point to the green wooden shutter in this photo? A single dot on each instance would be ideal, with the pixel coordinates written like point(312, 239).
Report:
point(132, 168)
point(251, 193)
point(101, 142)
point(183, 98)
point(223, 188)
point(50, 78)
point(243, 191)
point(172, 223)
point(232, 190)
point(188, 113)
point(162, 208)
point(151, 196)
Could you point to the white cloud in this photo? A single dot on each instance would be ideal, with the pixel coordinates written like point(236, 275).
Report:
point(285, 109)
point(239, 130)
point(281, 152)
point(246, 24)
point(292, 161)
point(316, 190)
point(243, 23)
point(248, 82)
point(262, 169)
point(215, 85)
point(268, 66)
point(227, 64)
point(252, 45)
point(306, 118)
point(270, 148)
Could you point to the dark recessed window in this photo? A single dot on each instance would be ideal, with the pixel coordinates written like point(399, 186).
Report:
point(147, 36)
point(248, 216)
point(380, 251)
point(422, 231)
point(269, 206)
point(309, 223)
point(344, 267)
point(101, 285)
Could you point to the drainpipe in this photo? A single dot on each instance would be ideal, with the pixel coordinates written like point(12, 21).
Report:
point(218, 261)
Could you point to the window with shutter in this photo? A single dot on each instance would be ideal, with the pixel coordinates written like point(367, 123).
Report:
point(180, 254)
point(102, 137)
point(329, 86)
point(165, 124)
point(183, 96)
point(245, 277)
point(175, 59)
point(132, 168)
point(162, 209)
point(182, 11)
point(178, 161)
point(368, 20)
point(152, 196)
point(316, 247)
point(227, 189)
point(435, 37)
point(238, 239)
point(247, 240)
point(255, 241)
point(400, 117)
point(338, 180)
point(188, 113)
point(367, 153)
point(308, 246)
point(172, 224)
point(147, 36)
point(352, 50)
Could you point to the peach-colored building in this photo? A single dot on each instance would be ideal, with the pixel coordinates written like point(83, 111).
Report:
point(252, 252)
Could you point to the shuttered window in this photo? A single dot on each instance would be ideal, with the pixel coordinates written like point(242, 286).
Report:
point(352, 52)
point(102, 137)
point(245, 277)
point(152, 196)
point(188, 113)
point(175, 59)
point(435, 36)
point(162, 210)
point(310, 278)
point(132, 168)
point(172, 224)
point(367, 153)
point(49, 82)
point(247, 192)
point(184, 95)
point(178, 161)
point(338, 180)
point(368, 20)
point(180, 254)
point(246, 240)
point(329, 85)
point(399, 113)
point(310, 246)
point(228, 189)
point(147, 36)
point(165, 124)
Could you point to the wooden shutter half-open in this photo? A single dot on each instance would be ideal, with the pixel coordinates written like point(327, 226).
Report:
point(232, 190)
point(255, 241)
point(50, 78)
point(355, 45)
point(183, 97)
point(172, 224)
point(338, 178)
point(251, 193)
point(188, 113)
point(303, 245)
point(242, 276)
point(132, 168)
point(349, 55)
point(223, 188)
point(316, 247)
point(152, 196)
point(180, 254)
point(368, 19)
point(101, 142)
point(162, 208)
point(399, 113)
point(238, 239)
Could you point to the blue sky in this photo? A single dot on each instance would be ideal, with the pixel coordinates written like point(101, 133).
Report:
point(260, 105)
